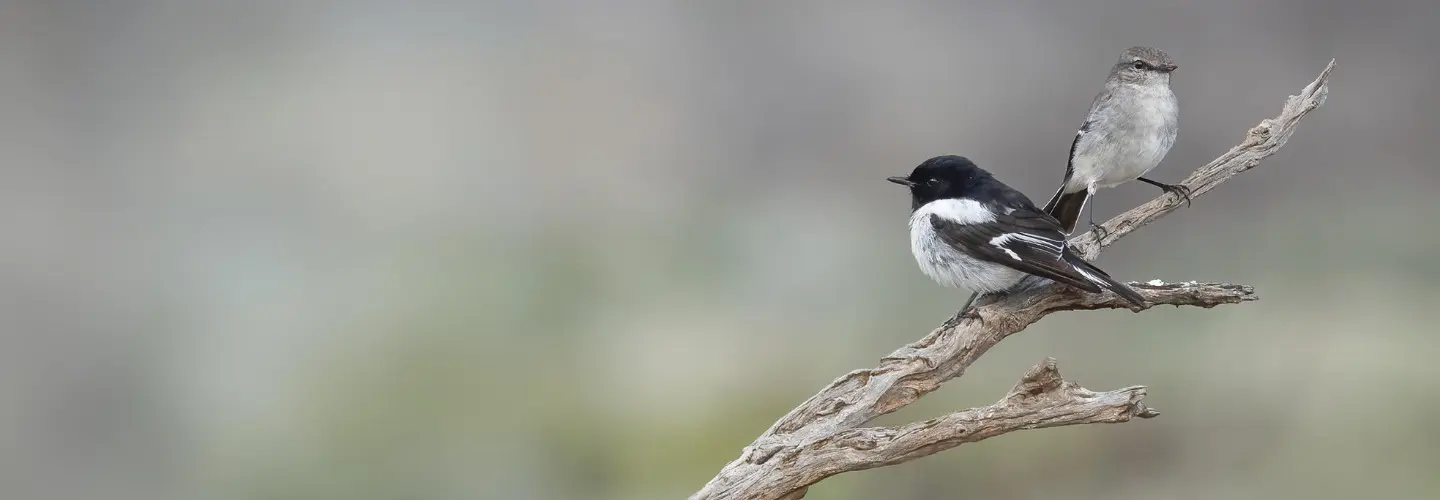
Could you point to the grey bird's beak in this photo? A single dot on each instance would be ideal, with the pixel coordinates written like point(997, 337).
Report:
point(901, 181)
point(1168, 68)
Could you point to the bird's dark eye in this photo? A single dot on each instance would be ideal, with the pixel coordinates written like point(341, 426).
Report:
point(1139, 65)
point(932, 182)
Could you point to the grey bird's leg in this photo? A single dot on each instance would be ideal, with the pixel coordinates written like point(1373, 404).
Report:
point(1100, 232)
point(1183, 191)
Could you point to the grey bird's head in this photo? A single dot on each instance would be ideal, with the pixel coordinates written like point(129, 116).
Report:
point(1143, 66)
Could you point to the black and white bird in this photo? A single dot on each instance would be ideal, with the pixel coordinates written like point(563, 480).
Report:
point(1130, 128)
point(969, 230)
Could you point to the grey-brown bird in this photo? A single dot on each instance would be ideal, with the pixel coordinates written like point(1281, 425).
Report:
point(1130, 128)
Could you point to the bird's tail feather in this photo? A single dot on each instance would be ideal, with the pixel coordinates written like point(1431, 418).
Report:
point(1099, 277)
point(1066, 207)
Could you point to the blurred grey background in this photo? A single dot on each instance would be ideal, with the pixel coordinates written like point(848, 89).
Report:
point(589, 250)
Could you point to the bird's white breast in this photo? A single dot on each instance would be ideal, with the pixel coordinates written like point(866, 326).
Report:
point(948, 266)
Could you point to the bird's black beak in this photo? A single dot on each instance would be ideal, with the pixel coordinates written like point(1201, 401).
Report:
point(901, 181)
point(1168, 68)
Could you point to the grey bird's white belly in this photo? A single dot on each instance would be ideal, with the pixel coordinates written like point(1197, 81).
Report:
point(1126, 138)
point(948, 266)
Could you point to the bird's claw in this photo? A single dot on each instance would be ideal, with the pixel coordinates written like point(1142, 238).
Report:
point(1183, 191)
point(1100, 232)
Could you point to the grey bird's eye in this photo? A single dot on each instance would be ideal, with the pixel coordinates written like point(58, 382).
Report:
point(932, 182)
point(1139, 65)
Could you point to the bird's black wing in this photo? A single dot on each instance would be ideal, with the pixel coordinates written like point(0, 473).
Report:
point(1024, 239)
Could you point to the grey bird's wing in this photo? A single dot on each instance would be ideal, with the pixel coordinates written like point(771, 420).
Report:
point(1088, 132)
point(1023, 239)
point(1066, 206)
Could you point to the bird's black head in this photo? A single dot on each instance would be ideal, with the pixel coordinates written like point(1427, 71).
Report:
point(942, 177)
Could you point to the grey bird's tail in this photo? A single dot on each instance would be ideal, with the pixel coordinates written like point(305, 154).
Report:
point(1066, 207)
point(1095, 275)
